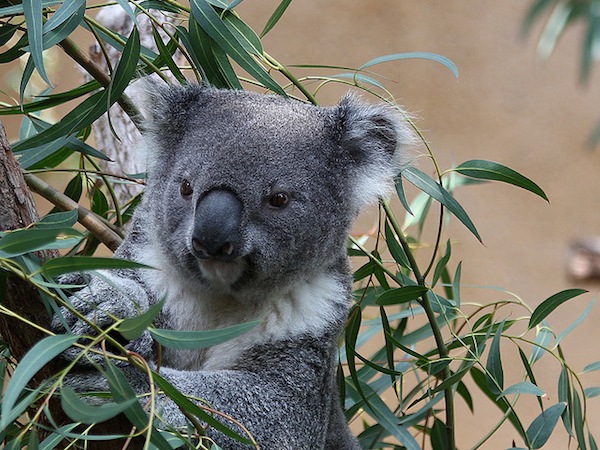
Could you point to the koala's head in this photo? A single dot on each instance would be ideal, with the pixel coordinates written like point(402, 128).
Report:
point(249, 191)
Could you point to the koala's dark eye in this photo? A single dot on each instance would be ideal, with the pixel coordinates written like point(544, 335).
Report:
point(186, 188)
point(279, 200)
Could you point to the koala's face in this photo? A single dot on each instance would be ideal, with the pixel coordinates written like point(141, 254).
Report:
point(252, 190)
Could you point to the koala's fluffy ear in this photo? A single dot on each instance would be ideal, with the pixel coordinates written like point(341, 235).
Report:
point(377, 139)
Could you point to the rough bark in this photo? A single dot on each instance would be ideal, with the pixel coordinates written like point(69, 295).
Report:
point(18, 210)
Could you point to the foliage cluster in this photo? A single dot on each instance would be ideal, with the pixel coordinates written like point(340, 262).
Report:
point(412, 345)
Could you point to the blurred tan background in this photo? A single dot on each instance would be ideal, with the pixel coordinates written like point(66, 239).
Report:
point(508, 105)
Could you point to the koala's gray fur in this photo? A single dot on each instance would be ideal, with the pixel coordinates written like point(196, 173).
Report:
point(220, 162)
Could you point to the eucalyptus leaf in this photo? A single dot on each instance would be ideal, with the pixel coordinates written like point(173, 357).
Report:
point(214, 26)
point(543, 425)
point(80, 411)
point(199, 339)
point(37, 357)
point(551, 303)
point(68, 264)
point(524, 387)
point(489, 170)
point(432, 188)
point(23, 241)
point(277, 14)
point(413, 55)
point(133, 327)
point(401, 295)
point(32, 9)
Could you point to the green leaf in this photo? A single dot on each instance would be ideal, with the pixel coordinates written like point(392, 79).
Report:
point(58, 220)
point(413, 55)
point(37, 357)
point(23, 241)
point(167, 55)
point(94, 106)
point(524, 387)
point(123, 392)
point(542, 339)
point(215, 63)
point(67, 264)
point(441, 264)
point(190, 407)
point(125, 68)
point(32, 10)
point(277, 14)
point(244, 34)
point(189, 340)
point(214, 26)
point(395, 248)
point(542, 426)
point(575, 324)
point(437, 192)
point(489, 170)
point(551, 303)
point(80, 411)
point(591, 392)
point(578, 421)
point(565, 395)
point(438, 435)
point(133, 327)
point(592, 367)
point(495, 373)
point(401, 295)
point(52, 441)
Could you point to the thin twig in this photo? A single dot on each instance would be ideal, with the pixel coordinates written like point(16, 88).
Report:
point(87, 218)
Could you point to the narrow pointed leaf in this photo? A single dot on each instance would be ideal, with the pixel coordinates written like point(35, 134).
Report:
point(67, 264)
point(80, 411)
point(32, 10)
point(24, 241)
point(211, 22)
point(133, 327)
point(524, 387)
point(432, 188)
point(401, 295)
point(37, 357)
point(543, 339)
point(199, 339)
point(277, 14)
point(413, 55)
point(592, 367)
point(58, 220)
point(395, 248)
point(123, 392)
point(493, 171)
point(493, 366)
point(542, 426)
point(551, 303)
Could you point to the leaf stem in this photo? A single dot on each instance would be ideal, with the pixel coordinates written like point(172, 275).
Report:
point(437, 333)
point(286, 73)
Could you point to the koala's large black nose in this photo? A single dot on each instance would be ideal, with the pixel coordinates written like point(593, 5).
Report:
point(217, 226)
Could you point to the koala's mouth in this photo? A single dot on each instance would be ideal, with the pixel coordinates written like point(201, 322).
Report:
point(222, 273)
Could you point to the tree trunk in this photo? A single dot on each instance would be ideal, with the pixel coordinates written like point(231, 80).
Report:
point(18, 210)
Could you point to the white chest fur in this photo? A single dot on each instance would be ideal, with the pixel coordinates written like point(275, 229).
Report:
point(306, 307)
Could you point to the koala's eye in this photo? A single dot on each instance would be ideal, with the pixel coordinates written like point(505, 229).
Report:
point(186, 188)
point(279, 200)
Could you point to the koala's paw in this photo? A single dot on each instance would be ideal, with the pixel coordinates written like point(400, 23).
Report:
point(91, 380)
point(98, 306)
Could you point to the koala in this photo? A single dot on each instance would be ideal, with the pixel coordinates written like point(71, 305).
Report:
point(245, 216)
